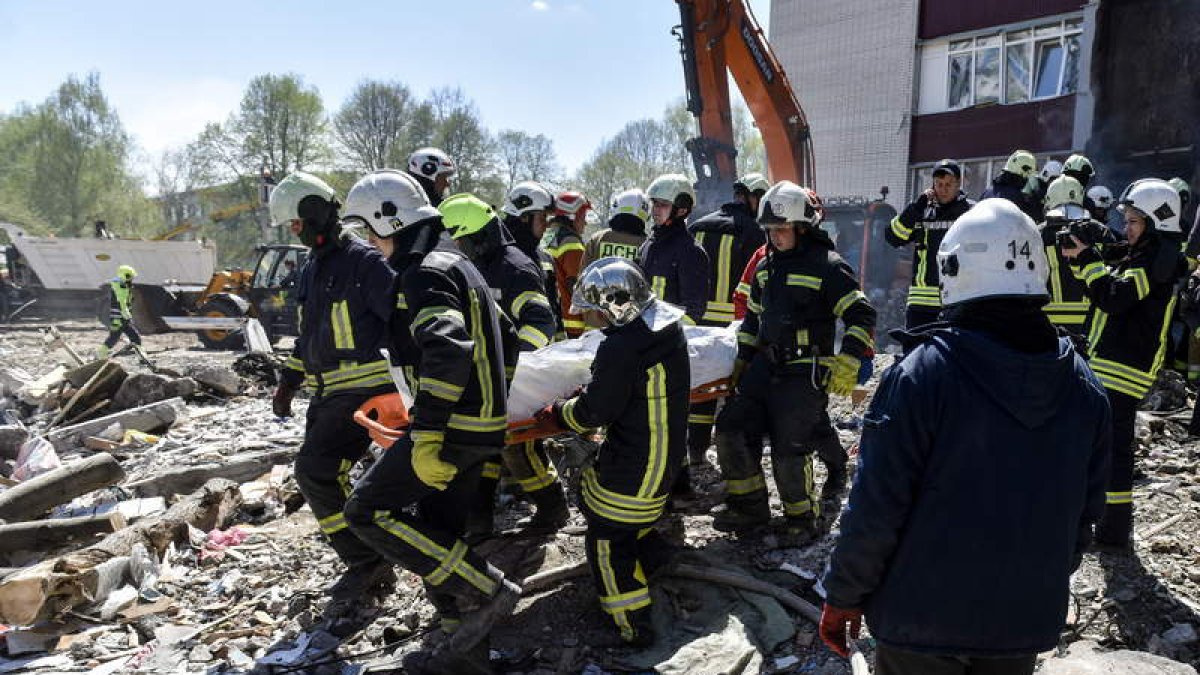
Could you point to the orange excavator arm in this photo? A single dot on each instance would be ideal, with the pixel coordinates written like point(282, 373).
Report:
point(719, 37)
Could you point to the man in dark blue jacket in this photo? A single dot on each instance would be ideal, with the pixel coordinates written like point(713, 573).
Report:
point(959, 554)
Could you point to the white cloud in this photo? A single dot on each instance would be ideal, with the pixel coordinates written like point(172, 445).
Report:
point(539, 5)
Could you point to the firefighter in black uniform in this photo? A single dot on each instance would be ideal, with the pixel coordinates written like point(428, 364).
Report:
point(729, 236)
point(639, 391)
point(527, 209)
point(675, 266)
point(787, 366)
point(1069, 307)
point(518, 285)
point(433, 169)
point(446, 335)
point(344, 323)
point(1133, 301)
point(923, 223)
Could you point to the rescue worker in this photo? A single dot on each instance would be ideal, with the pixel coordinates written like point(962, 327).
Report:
point(1101, 209)
point(1069, 307)
point(527, 208)
point(945, 496)
point(343, 324)
point(120, 311)
point(445, 332)
point(639, 392)
point(1039, 184)
point(676, 267)
point(923, 223)
point(518, 286)
point(1133, 300)
point(729, 237)
point(674, 264)
point(1080, 168)
point(566, 248)
point(626, 229)
point(433, 169)
point(787, 367)
point(1012, 181)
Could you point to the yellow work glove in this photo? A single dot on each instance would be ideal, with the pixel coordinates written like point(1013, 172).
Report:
point(843, 375)
point(426, 463)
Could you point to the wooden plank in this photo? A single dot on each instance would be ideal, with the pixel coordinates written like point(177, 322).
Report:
point(33, 497)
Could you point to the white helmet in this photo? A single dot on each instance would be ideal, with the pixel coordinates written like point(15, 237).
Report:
point(284, 203)
point(1050, 170)
point(1156, 200)
point(431, 163)
point(388, 201)
point(992, 251)
point(1101, 196)
point(633, 202)
point(1022, 163)
point(787, 202)
point(1064, 199)
point(527, 196)
point(672, 187)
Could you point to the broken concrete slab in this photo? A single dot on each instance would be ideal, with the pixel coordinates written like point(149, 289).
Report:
point(239, 468)
point(150, 418)
point(1086, 658)
point(217, 378)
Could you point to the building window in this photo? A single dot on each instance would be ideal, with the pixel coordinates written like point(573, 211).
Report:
point(977, 173)
point(1015, 66)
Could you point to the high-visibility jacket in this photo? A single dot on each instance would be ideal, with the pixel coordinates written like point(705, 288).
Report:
point(729, 236)
point(344, 312)
point(639, 392)
point(923, 224)
point(446, 332)
point(1134, 301)
point(677, 268)
point(617, 241)
point(1069, 306)
point(120, 300)
point(796, 298)
point(566, 248)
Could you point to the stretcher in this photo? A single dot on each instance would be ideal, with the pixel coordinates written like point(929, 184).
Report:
point(520, 431)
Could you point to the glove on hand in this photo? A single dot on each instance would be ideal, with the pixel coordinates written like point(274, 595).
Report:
point(833, 627)
point(843, 375)
point(426, 462)
point(281, 402)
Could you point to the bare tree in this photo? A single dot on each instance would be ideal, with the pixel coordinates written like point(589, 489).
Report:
point(373, 125)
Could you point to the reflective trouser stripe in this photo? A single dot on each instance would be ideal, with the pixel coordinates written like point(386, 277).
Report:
point(745, 486)
point(807, 505)
point(542, 477)
point(343, 476)
point(619, 507)
point(1118, 497)
point(613, 601)
point(490, 471)
point(333, 524)
point(702, 419)
point(439, 554)
point(924, 296)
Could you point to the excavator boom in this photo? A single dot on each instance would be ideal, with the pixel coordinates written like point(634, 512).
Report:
point(719, 38)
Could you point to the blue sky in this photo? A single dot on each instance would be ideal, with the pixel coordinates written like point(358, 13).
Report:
point(575, 70)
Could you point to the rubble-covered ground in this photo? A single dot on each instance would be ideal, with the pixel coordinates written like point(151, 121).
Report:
point(246, 595)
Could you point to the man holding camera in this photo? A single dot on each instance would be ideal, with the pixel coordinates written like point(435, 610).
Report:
point(1069, 307)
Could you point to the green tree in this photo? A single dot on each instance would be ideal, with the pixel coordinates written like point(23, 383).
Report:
point(522, 156)
point(461, 134)
point(67, 163)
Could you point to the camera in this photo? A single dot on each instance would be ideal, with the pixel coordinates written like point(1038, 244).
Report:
point(1086, 230)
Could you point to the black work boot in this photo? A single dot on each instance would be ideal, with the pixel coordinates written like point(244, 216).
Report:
point(741, 518)
point(835, 483)
point(478, 618)
point(358, 587)
point(474, 661)
point(800, 531)
point(552, 512)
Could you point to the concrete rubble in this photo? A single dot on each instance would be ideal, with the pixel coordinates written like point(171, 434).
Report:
point(194, 552)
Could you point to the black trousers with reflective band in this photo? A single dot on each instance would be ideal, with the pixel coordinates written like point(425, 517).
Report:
point(114, 334)
point(893, 661)
point(333, 442)
point(1116, 525)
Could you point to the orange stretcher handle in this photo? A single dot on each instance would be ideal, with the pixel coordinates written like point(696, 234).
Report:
point(526, 430)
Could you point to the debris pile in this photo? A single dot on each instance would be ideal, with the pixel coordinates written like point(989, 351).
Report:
point(151, 523)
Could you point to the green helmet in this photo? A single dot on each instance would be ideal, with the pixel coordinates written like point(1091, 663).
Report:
point(126, 273)
point(1022, 163)
point(1064, 193)
point(674, 188)
point(753, 182)
point(286, 197)
point(465, 214)
point(1080, 168)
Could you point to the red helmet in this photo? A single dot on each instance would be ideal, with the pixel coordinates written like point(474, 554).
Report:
point(571, 204)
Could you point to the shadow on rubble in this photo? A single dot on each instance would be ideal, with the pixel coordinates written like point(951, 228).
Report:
point(1145, 611)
